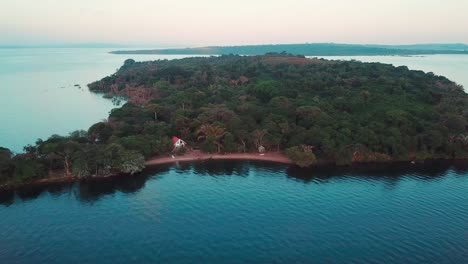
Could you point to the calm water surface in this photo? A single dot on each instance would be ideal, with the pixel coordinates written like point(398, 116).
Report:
point(38, 93)
point(240, 212)
point(215, 212)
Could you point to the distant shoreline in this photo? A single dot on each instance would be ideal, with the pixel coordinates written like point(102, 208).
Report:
point(311, 49)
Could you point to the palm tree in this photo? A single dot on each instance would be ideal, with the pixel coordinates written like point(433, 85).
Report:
point(211, 131)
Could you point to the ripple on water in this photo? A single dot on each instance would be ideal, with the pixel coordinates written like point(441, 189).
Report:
point(244, 212)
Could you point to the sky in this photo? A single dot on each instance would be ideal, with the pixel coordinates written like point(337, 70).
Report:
point(191, 23)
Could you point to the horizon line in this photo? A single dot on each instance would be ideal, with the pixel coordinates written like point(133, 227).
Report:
point(169, 46)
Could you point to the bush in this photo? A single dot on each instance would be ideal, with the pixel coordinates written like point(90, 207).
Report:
point(300, 157)
point(28, 168)
point(132, 162)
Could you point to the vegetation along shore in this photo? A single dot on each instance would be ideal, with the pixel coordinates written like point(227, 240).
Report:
point(314, 49)
point(276, 107)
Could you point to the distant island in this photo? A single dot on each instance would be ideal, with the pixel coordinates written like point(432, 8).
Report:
point(313, 49)
point(307, 111)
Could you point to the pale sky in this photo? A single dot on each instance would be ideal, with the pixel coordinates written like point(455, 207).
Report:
point(220, 22)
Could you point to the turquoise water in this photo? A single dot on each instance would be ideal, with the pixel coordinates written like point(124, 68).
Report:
point(38, 93)
point(240, 212)
point(454, 67)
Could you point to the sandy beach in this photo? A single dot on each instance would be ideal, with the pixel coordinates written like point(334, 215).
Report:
point(200, 156)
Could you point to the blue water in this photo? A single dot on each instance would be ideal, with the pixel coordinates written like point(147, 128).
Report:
point(38, 93)
point(240, 212)
point(214, 212)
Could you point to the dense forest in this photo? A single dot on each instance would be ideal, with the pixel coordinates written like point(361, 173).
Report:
point(313, 110)
point(314, 49)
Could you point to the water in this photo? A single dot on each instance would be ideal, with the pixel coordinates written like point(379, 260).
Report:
point(240, 212)
point(38, 93)
point(215, 212)
point(454, 67)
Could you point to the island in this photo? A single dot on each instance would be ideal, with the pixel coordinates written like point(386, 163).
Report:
point(313, 49)
point(278, 107)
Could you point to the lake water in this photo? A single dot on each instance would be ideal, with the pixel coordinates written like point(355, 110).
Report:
point(38, 93)
point(234, 212)
point(454, 67)
point(241, 212)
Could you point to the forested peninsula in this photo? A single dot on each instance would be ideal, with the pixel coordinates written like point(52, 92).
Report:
point(313, 49)
point(313, 110)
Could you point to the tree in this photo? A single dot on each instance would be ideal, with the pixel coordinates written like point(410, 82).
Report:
point(100, 132)
point(6, 164)
point(212, 132)
point(27, 168)
point(307, 116)
point(131, 162)
point(209, 145)
point(278, 130)
point(258, 136)
point(91, 160)
point(181, 122)
point(139, 143)
point(243, 136)
point(97, 160)
point(265, 90)
point(156, 129)
point(80, 167)
point(230, 143)
point(62, 148)
point(302, 156)
point(397, 117)
point(456, 123)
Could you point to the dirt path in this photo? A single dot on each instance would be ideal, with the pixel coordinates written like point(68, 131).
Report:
point(199, 156)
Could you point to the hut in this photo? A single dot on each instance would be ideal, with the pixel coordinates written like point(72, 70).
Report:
point(178, 143)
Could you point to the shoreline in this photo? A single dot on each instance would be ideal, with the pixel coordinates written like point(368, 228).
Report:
point(198, 156)
point(275, 157)
point(193, 156)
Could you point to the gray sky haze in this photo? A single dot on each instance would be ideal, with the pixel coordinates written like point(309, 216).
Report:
point(220, 22)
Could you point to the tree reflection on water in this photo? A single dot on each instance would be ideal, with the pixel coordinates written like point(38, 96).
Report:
point(92, 190)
